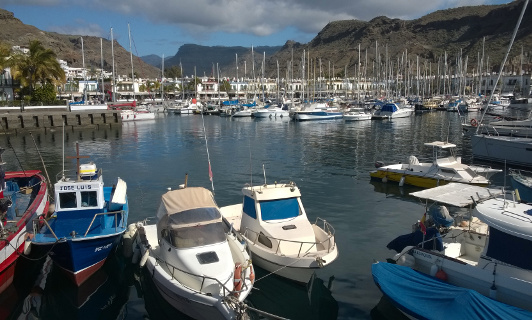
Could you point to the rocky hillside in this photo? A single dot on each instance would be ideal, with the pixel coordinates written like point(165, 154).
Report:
point(429, 37)
point(68, 47)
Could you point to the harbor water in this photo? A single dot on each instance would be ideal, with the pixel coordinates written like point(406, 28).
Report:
point(330, 162)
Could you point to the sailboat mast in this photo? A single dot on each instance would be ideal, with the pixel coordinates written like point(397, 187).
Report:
point(101, 72)
point(113, 55)
point(84, 71)
point(131, 57)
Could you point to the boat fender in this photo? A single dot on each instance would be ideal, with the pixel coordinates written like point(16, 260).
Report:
point(237, 283)
point(441, 275)
point(433, 270)
point(474, 122)
point(51, 209)
point(251, 273)
point(406, 260)
point(144, 257)
point(127, 241)
point(385, 179)
point(27, 243)
point(517, 196)
point(493, 292)
point(402, 181)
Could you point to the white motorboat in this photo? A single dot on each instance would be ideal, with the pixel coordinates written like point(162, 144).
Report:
point(196, 262)
point(392, 111)
point(271, 112)
point(440, 171)
point(495, 264)
point(317, 111)
point(356, 116)
point(505, 149)
point(274, 224)
point(136, 115)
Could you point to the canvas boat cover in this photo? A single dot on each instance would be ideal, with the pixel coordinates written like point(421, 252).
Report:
point(457, 194)
point(188, 207)
point(425, 297)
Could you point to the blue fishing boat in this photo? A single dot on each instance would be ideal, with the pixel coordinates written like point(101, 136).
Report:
point(522, 182)
point(87, 224)
point(425, 297)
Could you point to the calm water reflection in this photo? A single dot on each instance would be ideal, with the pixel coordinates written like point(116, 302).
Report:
point(330, 162)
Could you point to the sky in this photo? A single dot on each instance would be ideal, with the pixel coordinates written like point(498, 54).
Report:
point(160, 27)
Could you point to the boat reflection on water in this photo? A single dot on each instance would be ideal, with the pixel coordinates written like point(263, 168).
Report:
point(103, 296)
point(392, 189)
point(287, 299)
point(385, 310)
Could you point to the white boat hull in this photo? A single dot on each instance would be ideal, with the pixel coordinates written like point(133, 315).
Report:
point(137, 116)
point(512, 150)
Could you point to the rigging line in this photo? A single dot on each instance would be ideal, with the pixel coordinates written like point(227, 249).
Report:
point(49, 182)
point(503, 62)
point(208, 155)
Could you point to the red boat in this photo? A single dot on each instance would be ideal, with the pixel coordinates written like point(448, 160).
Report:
point(23, 197)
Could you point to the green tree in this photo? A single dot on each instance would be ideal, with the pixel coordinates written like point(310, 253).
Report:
point(45, 93)
point(192, 84)
point(40, 66)
point(225, 86)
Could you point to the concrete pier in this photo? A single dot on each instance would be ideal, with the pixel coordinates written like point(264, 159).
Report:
point(23, 122)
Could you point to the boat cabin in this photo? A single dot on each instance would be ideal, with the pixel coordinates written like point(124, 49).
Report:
point(87, 192)
point(273, 213)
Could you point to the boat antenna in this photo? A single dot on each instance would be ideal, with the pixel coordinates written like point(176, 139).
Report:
point(503, 63)
point(42, 161)
point(63, 172)
point(264, 171)
point(250, 163)
point(208, 155)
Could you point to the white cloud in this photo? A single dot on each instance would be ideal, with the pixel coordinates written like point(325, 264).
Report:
point(81, 28)
point(260, 17)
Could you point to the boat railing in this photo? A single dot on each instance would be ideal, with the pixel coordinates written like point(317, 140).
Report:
point(172, 269)
point(39, 223)
point(304, 246)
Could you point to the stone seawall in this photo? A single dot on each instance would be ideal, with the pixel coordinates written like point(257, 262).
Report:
point(23, 122)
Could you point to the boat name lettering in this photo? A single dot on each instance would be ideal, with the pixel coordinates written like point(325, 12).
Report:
point(102, 247)
point(82, 187)
point(424, 254)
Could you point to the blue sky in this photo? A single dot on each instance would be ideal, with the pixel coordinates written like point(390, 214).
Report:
point(162, 26)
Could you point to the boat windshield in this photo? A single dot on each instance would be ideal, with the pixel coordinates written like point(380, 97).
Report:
point(197, 236)
point(279, 209)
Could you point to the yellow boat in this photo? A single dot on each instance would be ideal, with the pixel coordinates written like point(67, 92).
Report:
point(432, 174)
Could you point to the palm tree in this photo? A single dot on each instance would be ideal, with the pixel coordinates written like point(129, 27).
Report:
point(39, 66)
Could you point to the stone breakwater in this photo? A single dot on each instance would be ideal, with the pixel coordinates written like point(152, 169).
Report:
point(26, 121)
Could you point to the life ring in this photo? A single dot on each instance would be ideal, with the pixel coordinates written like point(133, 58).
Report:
point(238, 279)
point(473, 122)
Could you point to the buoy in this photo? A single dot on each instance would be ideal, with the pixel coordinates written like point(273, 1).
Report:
point(441, 275)
point(474, 122)
point(237, 279)
point(144, 258)
point(433, 270)
point(51, 208)
point(402, 181)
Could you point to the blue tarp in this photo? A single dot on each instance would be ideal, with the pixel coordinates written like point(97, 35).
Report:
point(249, 104)
point(425, 297)
point(391, 107)
point(230, 103)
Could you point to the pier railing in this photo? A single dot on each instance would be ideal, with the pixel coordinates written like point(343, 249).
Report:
point(304, 246)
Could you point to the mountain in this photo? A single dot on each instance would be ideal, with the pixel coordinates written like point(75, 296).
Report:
point(68, 47)
point(429, 37)
point(206, 59)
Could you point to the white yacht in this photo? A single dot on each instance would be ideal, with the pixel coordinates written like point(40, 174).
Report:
point(392, 111)
point(197, 265)
point(274, 224)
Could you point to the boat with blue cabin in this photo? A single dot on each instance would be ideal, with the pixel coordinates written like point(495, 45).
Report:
point(87, 224)
point(392, 111)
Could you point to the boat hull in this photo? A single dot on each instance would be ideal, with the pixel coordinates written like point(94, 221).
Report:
point(512, 150)
point(317, 115)
point(525, 191)
point(80, 258)
point(137, 116)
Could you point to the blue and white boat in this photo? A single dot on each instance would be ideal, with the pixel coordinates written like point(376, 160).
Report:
point(317, 111)
point(424, 297)
point(87, 224)
point(392, 111)
point(522, 182)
